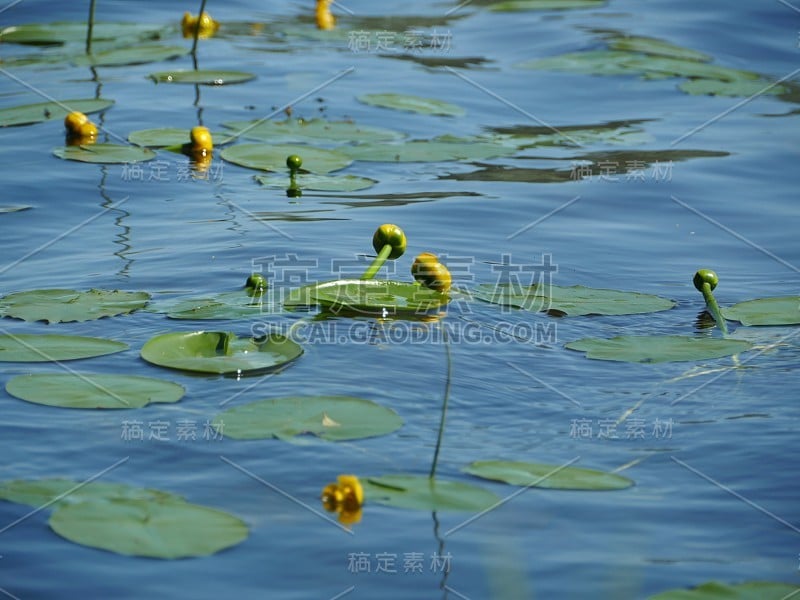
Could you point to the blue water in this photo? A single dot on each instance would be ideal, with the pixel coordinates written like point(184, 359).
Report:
point(95, 226)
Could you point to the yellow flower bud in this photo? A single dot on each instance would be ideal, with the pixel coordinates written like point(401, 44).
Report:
point(431, 273)
point(352, 492)
point(325, 20)
point(201, 140)
point(208, 26)
point(74, 120)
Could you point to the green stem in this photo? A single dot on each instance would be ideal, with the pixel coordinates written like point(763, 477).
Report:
point(713, 308)
point(444, 404)
point(90, 28)
point(197, 27)
point(376, 265)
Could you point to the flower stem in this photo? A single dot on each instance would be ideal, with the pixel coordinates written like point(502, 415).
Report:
point(90, 27)
point(197, 27)
point(444, 404)
point(713, 308)
point(376, 265)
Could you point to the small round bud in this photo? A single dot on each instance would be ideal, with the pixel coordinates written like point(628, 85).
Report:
point(705, 276)
point(201, 139)
point(257, 282)
point(74, 120)
point(294, 162)
point(391, 235)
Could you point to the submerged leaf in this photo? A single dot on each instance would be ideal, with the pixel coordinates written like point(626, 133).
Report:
point(553, 477)
point(416, 104)
point(64, 306)
point(333, 418)
point(45, 347)
point(658, 348)
point(319, 183)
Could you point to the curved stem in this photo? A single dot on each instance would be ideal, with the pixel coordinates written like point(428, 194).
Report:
point(444, 404)
point(197, 28)
point(378, 262)
point(90, 28)
point(713, 308)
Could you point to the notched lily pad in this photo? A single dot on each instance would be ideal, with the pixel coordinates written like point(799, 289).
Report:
point(62, 32)
point(220, 352)
point(573, 300)
point(105, 153)
point(45, 348)
point(368, 296)
point(93, 390)
point(226, 305)
point(202, 77)
point(551, 477)
point(65, 306)
point(272, 157)
point(416, 104)
point(29, 114)
point(333, 418)
point(748, 590)
point(318, 183)
point(423, 493)
point(166, 529)
point(658, 348)
point(311, 131)
point(782, 310)
point(41, 492)
point(136, 55)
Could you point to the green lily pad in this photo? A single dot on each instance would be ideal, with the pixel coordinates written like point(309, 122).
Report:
point(93, 390)
point(748, 590)
point(368, 296)
point(333, 418)
point(226, 305)
point(311, 131)
point(522, 5)
point(219, 352)
point(43, 348)
point(135, 55)
point(59, 33)
point(416, 104)
point(40, 492)
point(572, 300)
point(423, 493)
point(272, 157)
point(154, 528)
point(202, 77)
point(66, 306)
point(551, 477)
point(655, 47)
point(105, 153)
point(740, 87)
point(782, 310)
point(436, 150)
point(29, 114)
point(319, 183)
point(658, 348)
point(163, 137)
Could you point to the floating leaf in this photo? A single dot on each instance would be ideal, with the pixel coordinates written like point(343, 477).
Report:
point(202, 77)
point(29, 114)
point(658, 348)
point(227, 305)
point(714, 590)
point(41, 492)
point(170, 136)
point(219, 352)
point(11, 209)
point(572, 300)
point(44, 34)
point(553, 477)
point(436, 150)
point(423, 493)
point(782, 310)
point(368, 296)
point(655, 47)
point(42, 348)
point(135, 55)
point(65, 306)
point(521, 5)
point(740, 87)
point(272, 157)
point(93, 390)
point(416, 104)
point(157, 529)
point(333, 418)
point(311, 131)
point(319, 183)
point(105, 153)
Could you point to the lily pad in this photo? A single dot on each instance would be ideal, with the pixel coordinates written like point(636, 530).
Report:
point(655, 47)
point(319, 183)
point(311, 130)
point(333, 418)
point(170, 136)
point(202, 77)
point(368, 296)
point(59, 33)
point(157, 529)
point(522, 5)
point(227, 305)
point(138, 54)
point(740, 87)
point(65, 306)
point(658, 348)
point(436, 150)
point(415, 104)
point(29, 114)
point(423, 493)
point(272, 157)
point(782, 310)
point(40, 492)
point(93, 390)
point(105, 153)
point(219, 352)
point(551, 477)
point(748, 590)
point(43, 348)
point(571, 300)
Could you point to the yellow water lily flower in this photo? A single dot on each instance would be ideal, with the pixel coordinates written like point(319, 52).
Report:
point(208, 26)
point(325, 20)
point(202, 142)
point(345, 498)
point(431, 273)
point(80, 130)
